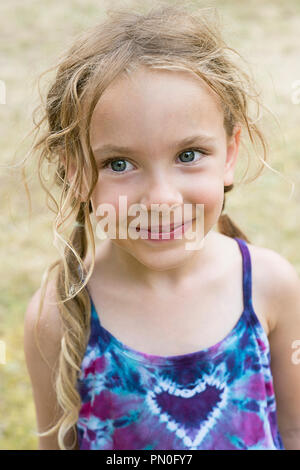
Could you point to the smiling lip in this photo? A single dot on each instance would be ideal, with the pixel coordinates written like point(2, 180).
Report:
point(171, 234)
point(163, 229)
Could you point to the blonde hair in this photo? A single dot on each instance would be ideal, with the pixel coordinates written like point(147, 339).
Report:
point(173, 37)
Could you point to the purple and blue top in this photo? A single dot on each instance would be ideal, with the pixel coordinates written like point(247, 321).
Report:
point(220, 397)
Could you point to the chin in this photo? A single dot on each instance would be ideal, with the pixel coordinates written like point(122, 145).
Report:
point(160, 259)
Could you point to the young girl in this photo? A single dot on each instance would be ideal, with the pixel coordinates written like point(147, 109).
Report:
point(144, 345)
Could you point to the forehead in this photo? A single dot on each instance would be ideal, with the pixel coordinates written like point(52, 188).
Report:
point(155, 104)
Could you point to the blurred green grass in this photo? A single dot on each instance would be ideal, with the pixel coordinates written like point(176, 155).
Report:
point(33, 34)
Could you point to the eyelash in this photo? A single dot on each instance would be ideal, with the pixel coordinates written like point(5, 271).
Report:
point(106, 162)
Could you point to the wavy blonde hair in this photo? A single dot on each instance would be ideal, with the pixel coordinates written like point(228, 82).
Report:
point(173, 37)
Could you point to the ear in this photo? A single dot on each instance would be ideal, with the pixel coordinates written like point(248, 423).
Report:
point(233, 144)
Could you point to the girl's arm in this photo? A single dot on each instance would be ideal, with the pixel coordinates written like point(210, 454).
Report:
point(40, 374)
point(284, 341)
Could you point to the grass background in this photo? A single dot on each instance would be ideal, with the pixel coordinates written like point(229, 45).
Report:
point(33, 34)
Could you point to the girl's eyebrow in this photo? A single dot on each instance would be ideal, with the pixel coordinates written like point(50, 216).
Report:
point(111, 148)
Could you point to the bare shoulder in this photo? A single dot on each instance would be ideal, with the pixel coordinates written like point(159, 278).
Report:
point(275, 279)
point(42, 365)
point(49, 325)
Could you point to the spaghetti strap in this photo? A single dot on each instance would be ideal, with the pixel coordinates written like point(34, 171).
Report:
point(247, 272)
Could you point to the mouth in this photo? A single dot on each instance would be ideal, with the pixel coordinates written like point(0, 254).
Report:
point(160, 230)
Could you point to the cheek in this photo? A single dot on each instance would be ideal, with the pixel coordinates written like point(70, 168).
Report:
point(105, 203)
point(115, 204)
point(209, 193)
point(110, 192)
point(105, 194)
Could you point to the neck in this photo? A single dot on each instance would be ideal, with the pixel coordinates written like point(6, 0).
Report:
point(202, 263)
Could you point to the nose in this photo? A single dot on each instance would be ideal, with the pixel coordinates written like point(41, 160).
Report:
point(161, 190)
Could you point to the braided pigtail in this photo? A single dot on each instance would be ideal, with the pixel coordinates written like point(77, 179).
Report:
point(75, 317)
point(226, 225)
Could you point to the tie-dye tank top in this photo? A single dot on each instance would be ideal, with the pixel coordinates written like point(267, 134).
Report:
point(220, 397)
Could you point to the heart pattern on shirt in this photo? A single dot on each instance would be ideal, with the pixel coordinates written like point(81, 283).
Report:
point(189, 412)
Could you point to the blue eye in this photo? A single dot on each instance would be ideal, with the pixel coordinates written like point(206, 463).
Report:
point(118, 164)
point(187, 160)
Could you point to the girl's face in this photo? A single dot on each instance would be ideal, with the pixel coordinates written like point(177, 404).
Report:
point(152, 113)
